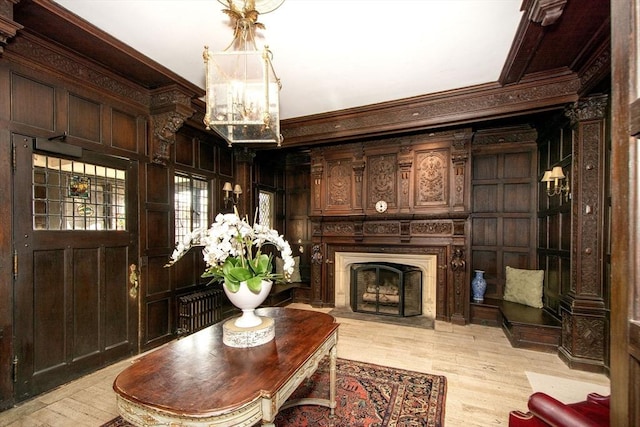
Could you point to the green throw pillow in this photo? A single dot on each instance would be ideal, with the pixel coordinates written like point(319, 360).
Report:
point(524, 286)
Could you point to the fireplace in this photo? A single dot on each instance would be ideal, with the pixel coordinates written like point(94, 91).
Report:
point(386, 289)
point(426, 263)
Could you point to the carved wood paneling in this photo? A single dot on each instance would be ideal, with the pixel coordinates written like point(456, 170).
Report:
point(67, 66)
point(405, 167)
point(339, 188)
point(583, 340)
point(423, 178)
point(432, 227)
point(382, 179)
point(432, 178)
point(584, 309)
point(460, 289)
point(419, 173)
point(8, 27)
point(453, 108)
point(587, 118)
point(381, 228)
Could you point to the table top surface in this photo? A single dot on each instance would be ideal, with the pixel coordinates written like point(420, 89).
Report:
point(200, 376)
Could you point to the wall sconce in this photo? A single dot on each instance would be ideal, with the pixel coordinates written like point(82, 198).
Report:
point(556, 175)
point(233, 198)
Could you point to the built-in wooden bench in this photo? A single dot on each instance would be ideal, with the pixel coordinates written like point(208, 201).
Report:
point(524, 326)
point(285, 293)
point(281, 294)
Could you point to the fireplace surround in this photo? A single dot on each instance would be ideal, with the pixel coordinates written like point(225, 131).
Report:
point(426, 263)
point(386, 289)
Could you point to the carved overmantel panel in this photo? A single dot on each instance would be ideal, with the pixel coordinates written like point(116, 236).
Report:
point(424, 183)
point(422, 174)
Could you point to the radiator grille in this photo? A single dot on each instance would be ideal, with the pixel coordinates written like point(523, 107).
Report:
point(199, 310)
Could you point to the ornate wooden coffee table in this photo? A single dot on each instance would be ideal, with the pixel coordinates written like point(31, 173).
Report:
point(199, 381)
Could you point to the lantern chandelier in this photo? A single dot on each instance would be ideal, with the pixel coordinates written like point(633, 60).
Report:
point(243, 91)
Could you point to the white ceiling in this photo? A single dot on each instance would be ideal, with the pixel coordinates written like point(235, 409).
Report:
point(329, 54)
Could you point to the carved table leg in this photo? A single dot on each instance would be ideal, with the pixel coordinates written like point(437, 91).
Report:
point(333, 356)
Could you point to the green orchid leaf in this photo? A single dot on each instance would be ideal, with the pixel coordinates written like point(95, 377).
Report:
point(229, 263)
point(232, 285)
point(261, 265)
point(240, 274)
point(255, 284)
point(265, 263)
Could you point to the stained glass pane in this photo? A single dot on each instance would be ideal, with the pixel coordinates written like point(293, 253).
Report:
point(73, 195)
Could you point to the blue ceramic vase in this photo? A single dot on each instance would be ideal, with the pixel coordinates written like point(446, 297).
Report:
point(478, 286)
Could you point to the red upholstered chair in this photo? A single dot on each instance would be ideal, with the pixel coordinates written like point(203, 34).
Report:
point(546, 411)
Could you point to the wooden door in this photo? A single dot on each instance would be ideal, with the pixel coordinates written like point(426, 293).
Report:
point(75, 249)
point(625, 203)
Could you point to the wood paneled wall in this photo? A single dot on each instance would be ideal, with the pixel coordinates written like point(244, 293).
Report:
point(200, 155)
point(503, 188)
point(298, 207)
point(554, 213)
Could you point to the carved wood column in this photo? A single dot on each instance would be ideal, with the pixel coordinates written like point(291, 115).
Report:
point(458, 300)
point(405, 164)
point(461, 178)
point(317, 171)
point(583, 309)
point(358, 171)
point(317, 268)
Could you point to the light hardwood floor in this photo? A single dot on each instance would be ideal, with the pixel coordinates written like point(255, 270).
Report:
point(486, 377)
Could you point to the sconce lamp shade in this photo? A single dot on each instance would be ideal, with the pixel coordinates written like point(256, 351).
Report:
point(557, 173)
point(228, 188)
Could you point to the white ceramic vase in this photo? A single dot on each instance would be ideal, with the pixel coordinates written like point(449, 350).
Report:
point(247, 301)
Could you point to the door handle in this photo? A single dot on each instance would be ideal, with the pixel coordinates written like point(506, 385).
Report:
point(133, 280)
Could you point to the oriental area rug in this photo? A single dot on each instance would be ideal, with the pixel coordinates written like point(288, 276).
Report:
point(367, 395)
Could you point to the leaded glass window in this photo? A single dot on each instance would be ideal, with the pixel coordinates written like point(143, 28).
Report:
point(74, 195)
point(191, 204)
point(266, 208)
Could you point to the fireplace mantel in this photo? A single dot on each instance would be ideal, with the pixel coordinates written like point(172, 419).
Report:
point(446, 264)
point(402, 195)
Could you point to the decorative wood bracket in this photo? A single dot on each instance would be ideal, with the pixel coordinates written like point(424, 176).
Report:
point(592, 108)
point(8, 27)
point(170, 109)
point(546, 12)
